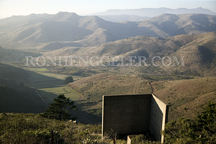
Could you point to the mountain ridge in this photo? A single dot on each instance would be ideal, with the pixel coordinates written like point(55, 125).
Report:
point(152, 12)
point(37, 31)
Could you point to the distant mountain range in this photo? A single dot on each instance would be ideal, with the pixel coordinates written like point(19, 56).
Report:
point(117, 15)
point(152, 12)
point(69, 29)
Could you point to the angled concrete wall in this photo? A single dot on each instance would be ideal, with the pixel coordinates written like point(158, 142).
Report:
point(133, 114)
point(158, 118)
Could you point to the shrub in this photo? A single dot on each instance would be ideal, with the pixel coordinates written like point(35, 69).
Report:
point(68, 79)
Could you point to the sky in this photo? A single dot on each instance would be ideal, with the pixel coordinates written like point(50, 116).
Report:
point(86, 7)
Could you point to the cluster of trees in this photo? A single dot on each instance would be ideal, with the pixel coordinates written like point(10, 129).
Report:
point(202, 129)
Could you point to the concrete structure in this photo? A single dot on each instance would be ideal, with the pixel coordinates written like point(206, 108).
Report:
point(129, 139)
point(134, 114)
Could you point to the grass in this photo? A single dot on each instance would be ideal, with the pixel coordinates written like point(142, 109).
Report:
point(32, 128)
point(38, 69)
point(106, 84)
point(94, 87)
point(48, 73)
point(50, 85)
point(62, 90)
point(191, 94)
point(178, 93)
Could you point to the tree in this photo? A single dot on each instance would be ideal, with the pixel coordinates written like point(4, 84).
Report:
point(202, 129)
point(206, 121)
point(68, 79)
point(60, 108)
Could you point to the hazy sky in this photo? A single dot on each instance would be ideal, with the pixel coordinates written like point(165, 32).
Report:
point(84, 7)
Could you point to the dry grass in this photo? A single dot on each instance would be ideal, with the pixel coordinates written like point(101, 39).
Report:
point(108, 84)
point(186, 97)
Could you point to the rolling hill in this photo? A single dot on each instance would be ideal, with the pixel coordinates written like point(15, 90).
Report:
point(198, 53)
point(69, 29)
point(65, 27)
point(167, 25)
point(185, 96)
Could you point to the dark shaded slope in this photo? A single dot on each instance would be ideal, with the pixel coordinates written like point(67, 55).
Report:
point(2, 53)
point(14, 96)
point(15, 101)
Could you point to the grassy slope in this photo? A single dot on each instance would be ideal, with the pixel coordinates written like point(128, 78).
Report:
point(198, 52)
point(50, 84)
point(185, 96)
point(106, 84)
point(17, 91)
point(94, 87)
point(32, 128)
